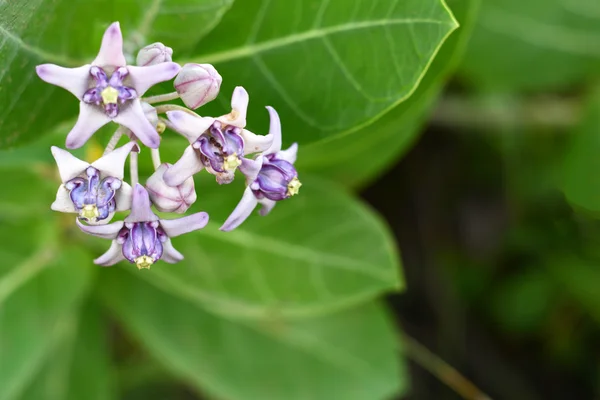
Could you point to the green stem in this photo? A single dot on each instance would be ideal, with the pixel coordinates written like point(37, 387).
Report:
point(161, 98)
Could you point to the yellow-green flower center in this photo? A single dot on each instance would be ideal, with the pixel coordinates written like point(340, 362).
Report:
point(293, 187)
point(231, 162)
point(89, 212)
point(110, 95)
point(144, 262)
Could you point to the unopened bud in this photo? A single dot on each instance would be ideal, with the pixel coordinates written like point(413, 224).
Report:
point(170, 199)
point(197, 84)
point(154, 53)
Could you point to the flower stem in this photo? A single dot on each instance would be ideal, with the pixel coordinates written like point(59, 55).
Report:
point(114, 140)
point(133, 168)
point(173, 107)
point(440, 369)
point(161, 98)
point(155, 158)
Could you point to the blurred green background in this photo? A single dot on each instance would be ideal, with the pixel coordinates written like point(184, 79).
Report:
point(444, 244)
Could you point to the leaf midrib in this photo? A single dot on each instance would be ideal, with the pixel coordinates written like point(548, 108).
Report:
point(250, 50)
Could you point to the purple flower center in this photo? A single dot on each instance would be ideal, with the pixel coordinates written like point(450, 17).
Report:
point(277, 179)
point(93, 198)
point(142, 243)
point(221, 149)
point(109, 93)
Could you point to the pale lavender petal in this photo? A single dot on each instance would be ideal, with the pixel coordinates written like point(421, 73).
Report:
point(251, 168)
point(241, 212)
point(112, 256)
point(189, 126)
point(239, 108)
point(290, 154)
point(179, 226)
point(75, 80)
point(68, 165)
point(109, 231)
point(123, 197)
point(143, 78)
point(274, 132)
point(63, 201)
point(111, 49)
point(267, 206)
point(113, 163)
point(255, 143)
point(89, 121)
point(133, 117)
point(140, 206)
point(188, 165)
point(170, 255)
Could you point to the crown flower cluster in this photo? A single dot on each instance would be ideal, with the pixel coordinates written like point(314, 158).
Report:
point(110, 90)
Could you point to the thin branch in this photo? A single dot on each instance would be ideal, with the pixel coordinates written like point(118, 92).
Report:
point(161, 98)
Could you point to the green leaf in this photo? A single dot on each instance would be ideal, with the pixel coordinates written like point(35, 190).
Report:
point(68, 34)
point(350, 355)
point(330, 66)
point(361, 154)
point(79, 367)
point(38, 296)
point(319, 251)
point(535, 44)
point(581, 183)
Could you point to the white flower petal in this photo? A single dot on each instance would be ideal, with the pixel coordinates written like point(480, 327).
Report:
point(133, 118)
point(170, 255)
point(123, 197)
point(241, 212)
point(179, 226)
point(274, 131)
point(113, 163)
point(63, 201)
point(109, 231)
point(68, 165)
point(267, 206)
point(188, 165)
point(112, 256)
point(140, 206)
point(189, 126)
point(239, 108)
point(251, 168)
point(255, 143)
point(143, 78)
point(89, 121)
point(111, 49)
point(290, 154)
point(75, 80)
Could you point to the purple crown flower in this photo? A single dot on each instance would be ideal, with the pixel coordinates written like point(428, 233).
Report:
point(143, 238)
point(217, 144)
point(94, 191)
point(109, 89)
point(270, 178)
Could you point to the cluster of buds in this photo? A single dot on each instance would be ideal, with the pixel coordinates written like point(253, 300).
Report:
point(111, 90)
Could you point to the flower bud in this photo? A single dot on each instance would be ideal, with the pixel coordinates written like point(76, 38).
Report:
point(154, 53)
point(150, 113)
point(197, 84)
point(170, 199)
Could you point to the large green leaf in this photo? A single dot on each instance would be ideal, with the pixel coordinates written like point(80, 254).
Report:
point(68, 32)
point(361, 154)
point(581, 183)
point(319, 251)
point(534, 44)
point(37, 300)
point(79, 367)
point(327, 66)
point(350, 355)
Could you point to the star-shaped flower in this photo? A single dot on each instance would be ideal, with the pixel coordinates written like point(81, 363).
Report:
point(270, 178)
point(94, 191)
point(109, 89)
point(143, 238)
point(217, 144)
